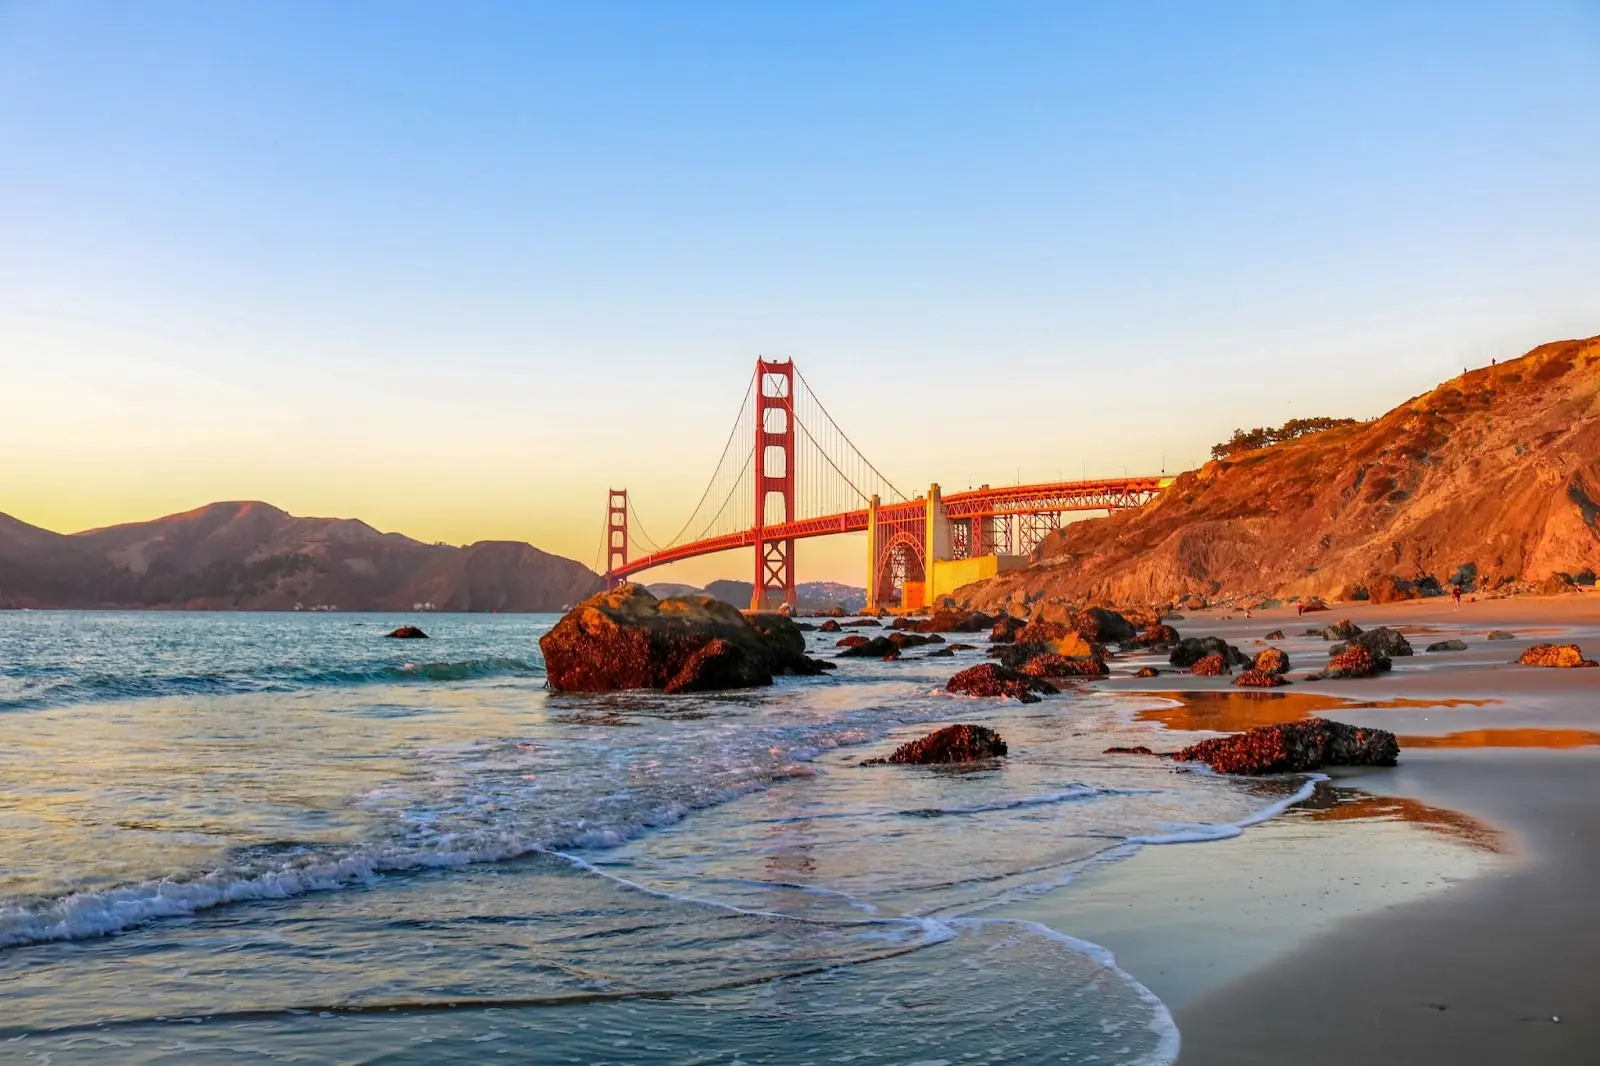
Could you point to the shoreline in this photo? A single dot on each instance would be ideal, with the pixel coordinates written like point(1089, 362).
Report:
point(1437, 912)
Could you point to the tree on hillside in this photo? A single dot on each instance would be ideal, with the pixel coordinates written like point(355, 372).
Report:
point(1261, 437)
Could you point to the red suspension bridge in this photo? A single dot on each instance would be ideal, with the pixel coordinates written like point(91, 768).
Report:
point(788, 472)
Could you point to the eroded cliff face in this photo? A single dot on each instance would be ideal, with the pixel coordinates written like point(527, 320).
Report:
point(1497, 470)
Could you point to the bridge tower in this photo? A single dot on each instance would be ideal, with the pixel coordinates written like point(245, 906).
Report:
point(616, 535)
point(774, 483)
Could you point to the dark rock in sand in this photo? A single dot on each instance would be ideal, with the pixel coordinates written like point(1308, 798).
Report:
point(1500, 634)
point(408, 633)
point(627, 639)
point(1295, 747)
point(1343, 629)
point(1138, 749)
point(1447, 645)
point(1148, 671)
point(1555, 655)
point(1382, 641)
point(1191, 650)
point(1257, 678)
point(988, 679)
point(1159, 635)
point(1276, 634)
point(952, 744)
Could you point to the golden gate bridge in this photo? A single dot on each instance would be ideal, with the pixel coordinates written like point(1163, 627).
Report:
point(788, 473)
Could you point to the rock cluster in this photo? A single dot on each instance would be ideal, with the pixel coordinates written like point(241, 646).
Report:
point(952, 744)
point(1295, 747)
point(988, 679)
point(628, 639)
point(948, 620)
point(1191, 650)
point(1555, 655)
point(1382, 642)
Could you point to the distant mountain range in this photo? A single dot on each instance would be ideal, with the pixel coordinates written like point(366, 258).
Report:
point(252, 556)
point(811, 595)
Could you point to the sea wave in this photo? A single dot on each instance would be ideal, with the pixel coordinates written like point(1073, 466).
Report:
point(47, 691)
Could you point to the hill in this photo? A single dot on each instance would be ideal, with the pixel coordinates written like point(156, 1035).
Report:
point(253, 556)
point(1490, 479)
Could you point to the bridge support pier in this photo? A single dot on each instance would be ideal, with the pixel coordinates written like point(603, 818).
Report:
point(616, 536)
point(774, 477)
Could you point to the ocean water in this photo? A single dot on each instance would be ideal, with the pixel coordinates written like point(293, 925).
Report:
point(236, 837)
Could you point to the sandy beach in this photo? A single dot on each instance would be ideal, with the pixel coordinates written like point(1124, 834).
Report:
point(1441, 911)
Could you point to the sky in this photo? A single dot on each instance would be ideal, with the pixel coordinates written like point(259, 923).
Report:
point(457, 269)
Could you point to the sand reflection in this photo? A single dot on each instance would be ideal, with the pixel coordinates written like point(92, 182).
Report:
point(1334, 803)
point(1506, 738)
point(1233, 711)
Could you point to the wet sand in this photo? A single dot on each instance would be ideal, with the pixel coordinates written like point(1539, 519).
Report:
point(1439, 912)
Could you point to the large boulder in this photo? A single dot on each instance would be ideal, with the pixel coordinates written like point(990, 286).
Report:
point(1382, 641)
point(1270, 661)
point(628, 639)
point(1343, 629)
point(952, 744)
point(1191, 650)
point(1102, 625)
point(1158, 635)
point(407, 633)
point(1295, 747)
point(854, 640)
point(830, 626)
point(1555, 655)
point(988, 679)
point(875, 648)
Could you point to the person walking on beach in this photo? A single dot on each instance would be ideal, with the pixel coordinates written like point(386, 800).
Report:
point(1455, 596)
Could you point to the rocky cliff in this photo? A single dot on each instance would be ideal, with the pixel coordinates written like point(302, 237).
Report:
point(1493, 477)
point(255, 556)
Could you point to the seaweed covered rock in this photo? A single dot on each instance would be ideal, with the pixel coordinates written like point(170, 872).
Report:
point(1271, 661)
point(1258, 678)
point(407, 633)
point(628, 639)
point(1357, 660)
point(1158, 635)
point(1209, 666)
point(952, 744)
point(1295, 747)
point(1555, 655)
point(1382, 641)
point(989, 679)
point(854, 640)
point(1191, 650)
point(1102, 625)
point(1052, 665)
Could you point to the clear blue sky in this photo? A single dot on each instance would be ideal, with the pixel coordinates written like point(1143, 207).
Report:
point(456, 269)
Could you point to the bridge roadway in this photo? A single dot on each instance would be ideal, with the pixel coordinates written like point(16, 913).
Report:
point(1106, 494)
